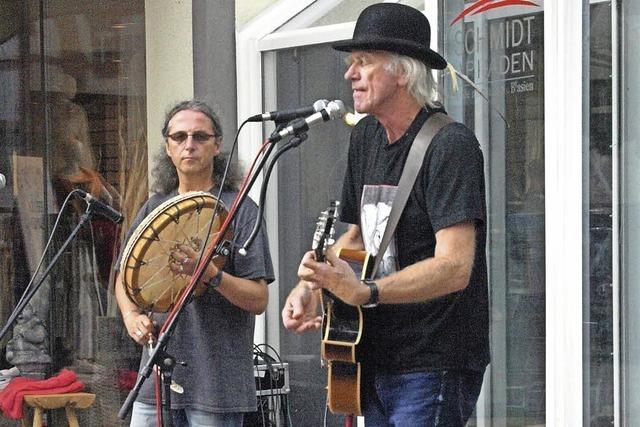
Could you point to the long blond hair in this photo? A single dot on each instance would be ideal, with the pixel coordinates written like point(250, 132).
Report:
point(420, 82)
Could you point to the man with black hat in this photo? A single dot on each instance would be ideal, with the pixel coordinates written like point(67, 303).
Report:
point(426, 343)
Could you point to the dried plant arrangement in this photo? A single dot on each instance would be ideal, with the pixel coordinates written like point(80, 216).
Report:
point(132, 173)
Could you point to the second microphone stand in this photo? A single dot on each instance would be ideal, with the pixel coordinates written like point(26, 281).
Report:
point(31, 290)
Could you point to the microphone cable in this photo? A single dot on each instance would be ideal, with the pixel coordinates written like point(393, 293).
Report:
point(292, 143)
point(44, 251)
point(46, 248)
point(221, 186)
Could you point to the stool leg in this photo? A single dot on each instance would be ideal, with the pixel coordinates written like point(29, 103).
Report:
point(71, 416)
point(37, 417)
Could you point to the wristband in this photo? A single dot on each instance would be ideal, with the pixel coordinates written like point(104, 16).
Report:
point(215, 281)
point(373, 298)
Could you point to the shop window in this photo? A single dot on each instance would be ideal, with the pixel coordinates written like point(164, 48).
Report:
point(502, 51)
point(598, 291)
point(72, 115)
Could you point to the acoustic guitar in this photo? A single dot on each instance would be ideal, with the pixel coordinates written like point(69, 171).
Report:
point(342, 325)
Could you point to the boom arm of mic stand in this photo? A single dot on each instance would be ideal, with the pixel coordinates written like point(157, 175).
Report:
point(168, 328)
point(292, 143)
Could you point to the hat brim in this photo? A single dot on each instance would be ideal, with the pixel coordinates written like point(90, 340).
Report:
point(430, 57)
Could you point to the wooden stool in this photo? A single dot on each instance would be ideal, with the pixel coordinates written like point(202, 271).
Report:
point(68, 401)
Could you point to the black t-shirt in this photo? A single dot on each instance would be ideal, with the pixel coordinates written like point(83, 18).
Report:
point(451, 332)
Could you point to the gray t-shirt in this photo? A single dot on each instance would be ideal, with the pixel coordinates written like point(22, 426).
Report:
point(214, 337)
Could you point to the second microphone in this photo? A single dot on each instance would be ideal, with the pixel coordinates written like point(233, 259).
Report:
point(333, 110)
point(284, 116)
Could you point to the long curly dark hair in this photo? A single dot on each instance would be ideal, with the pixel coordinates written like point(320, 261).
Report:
point(165, 176)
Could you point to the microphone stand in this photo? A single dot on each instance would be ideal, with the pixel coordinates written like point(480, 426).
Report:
point(159, 351)
point(30, 292)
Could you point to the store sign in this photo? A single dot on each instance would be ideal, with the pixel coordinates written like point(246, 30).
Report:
point(481, 6)
point(506, 48)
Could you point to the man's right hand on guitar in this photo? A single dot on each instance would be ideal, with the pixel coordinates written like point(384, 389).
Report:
point(300, 312)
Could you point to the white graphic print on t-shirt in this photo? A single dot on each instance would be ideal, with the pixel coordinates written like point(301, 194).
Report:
point(376, 206)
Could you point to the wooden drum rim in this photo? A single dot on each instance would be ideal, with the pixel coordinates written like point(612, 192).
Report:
point(144, 268)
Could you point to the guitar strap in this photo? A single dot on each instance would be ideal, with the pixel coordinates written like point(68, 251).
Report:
point(409, 174)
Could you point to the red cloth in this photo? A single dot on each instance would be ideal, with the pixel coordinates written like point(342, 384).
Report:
point(126, 379)
point(12, 396)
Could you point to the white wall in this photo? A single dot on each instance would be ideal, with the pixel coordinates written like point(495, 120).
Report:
point(169, 59)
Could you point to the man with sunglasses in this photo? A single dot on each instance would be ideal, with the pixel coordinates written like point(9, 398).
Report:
point(425, 343)
point(214, 334)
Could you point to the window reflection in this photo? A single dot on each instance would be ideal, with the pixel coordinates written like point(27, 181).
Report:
point(72, 115)
point(502, 52)
point(599, 291)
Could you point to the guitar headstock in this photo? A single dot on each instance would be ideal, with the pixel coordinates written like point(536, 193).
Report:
point(323, 236)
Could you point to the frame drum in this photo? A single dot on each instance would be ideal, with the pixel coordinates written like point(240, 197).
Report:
point(144, 268)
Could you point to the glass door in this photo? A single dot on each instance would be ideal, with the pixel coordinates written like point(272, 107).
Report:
point(309, 177)
point(598, 235)
point(629, 208)
point(299, 67)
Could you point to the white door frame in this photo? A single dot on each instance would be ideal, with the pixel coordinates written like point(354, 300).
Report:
point(279, 28)
point(564, 209)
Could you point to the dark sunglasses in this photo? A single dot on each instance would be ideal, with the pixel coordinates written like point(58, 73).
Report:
point(200, 137)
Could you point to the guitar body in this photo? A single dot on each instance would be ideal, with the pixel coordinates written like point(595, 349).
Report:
point(342, 330)
point(343, 388)
point(342, 324)
point(341, 335)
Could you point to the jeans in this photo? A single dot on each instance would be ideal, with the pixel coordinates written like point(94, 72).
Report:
point(428, 398)
point(144, 415)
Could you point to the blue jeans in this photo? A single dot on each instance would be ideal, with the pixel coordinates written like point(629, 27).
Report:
point(144, 415)
point(428, 398)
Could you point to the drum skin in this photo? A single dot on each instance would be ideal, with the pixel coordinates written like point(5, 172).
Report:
point(184, 219)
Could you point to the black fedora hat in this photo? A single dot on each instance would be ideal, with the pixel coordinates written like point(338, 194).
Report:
point(395, 28)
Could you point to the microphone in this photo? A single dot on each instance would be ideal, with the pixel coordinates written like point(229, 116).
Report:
point(332, 111)
point(101, 208)
point(288, 115)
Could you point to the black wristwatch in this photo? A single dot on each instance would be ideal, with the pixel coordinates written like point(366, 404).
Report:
point(214, 282)
point(373, 298)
